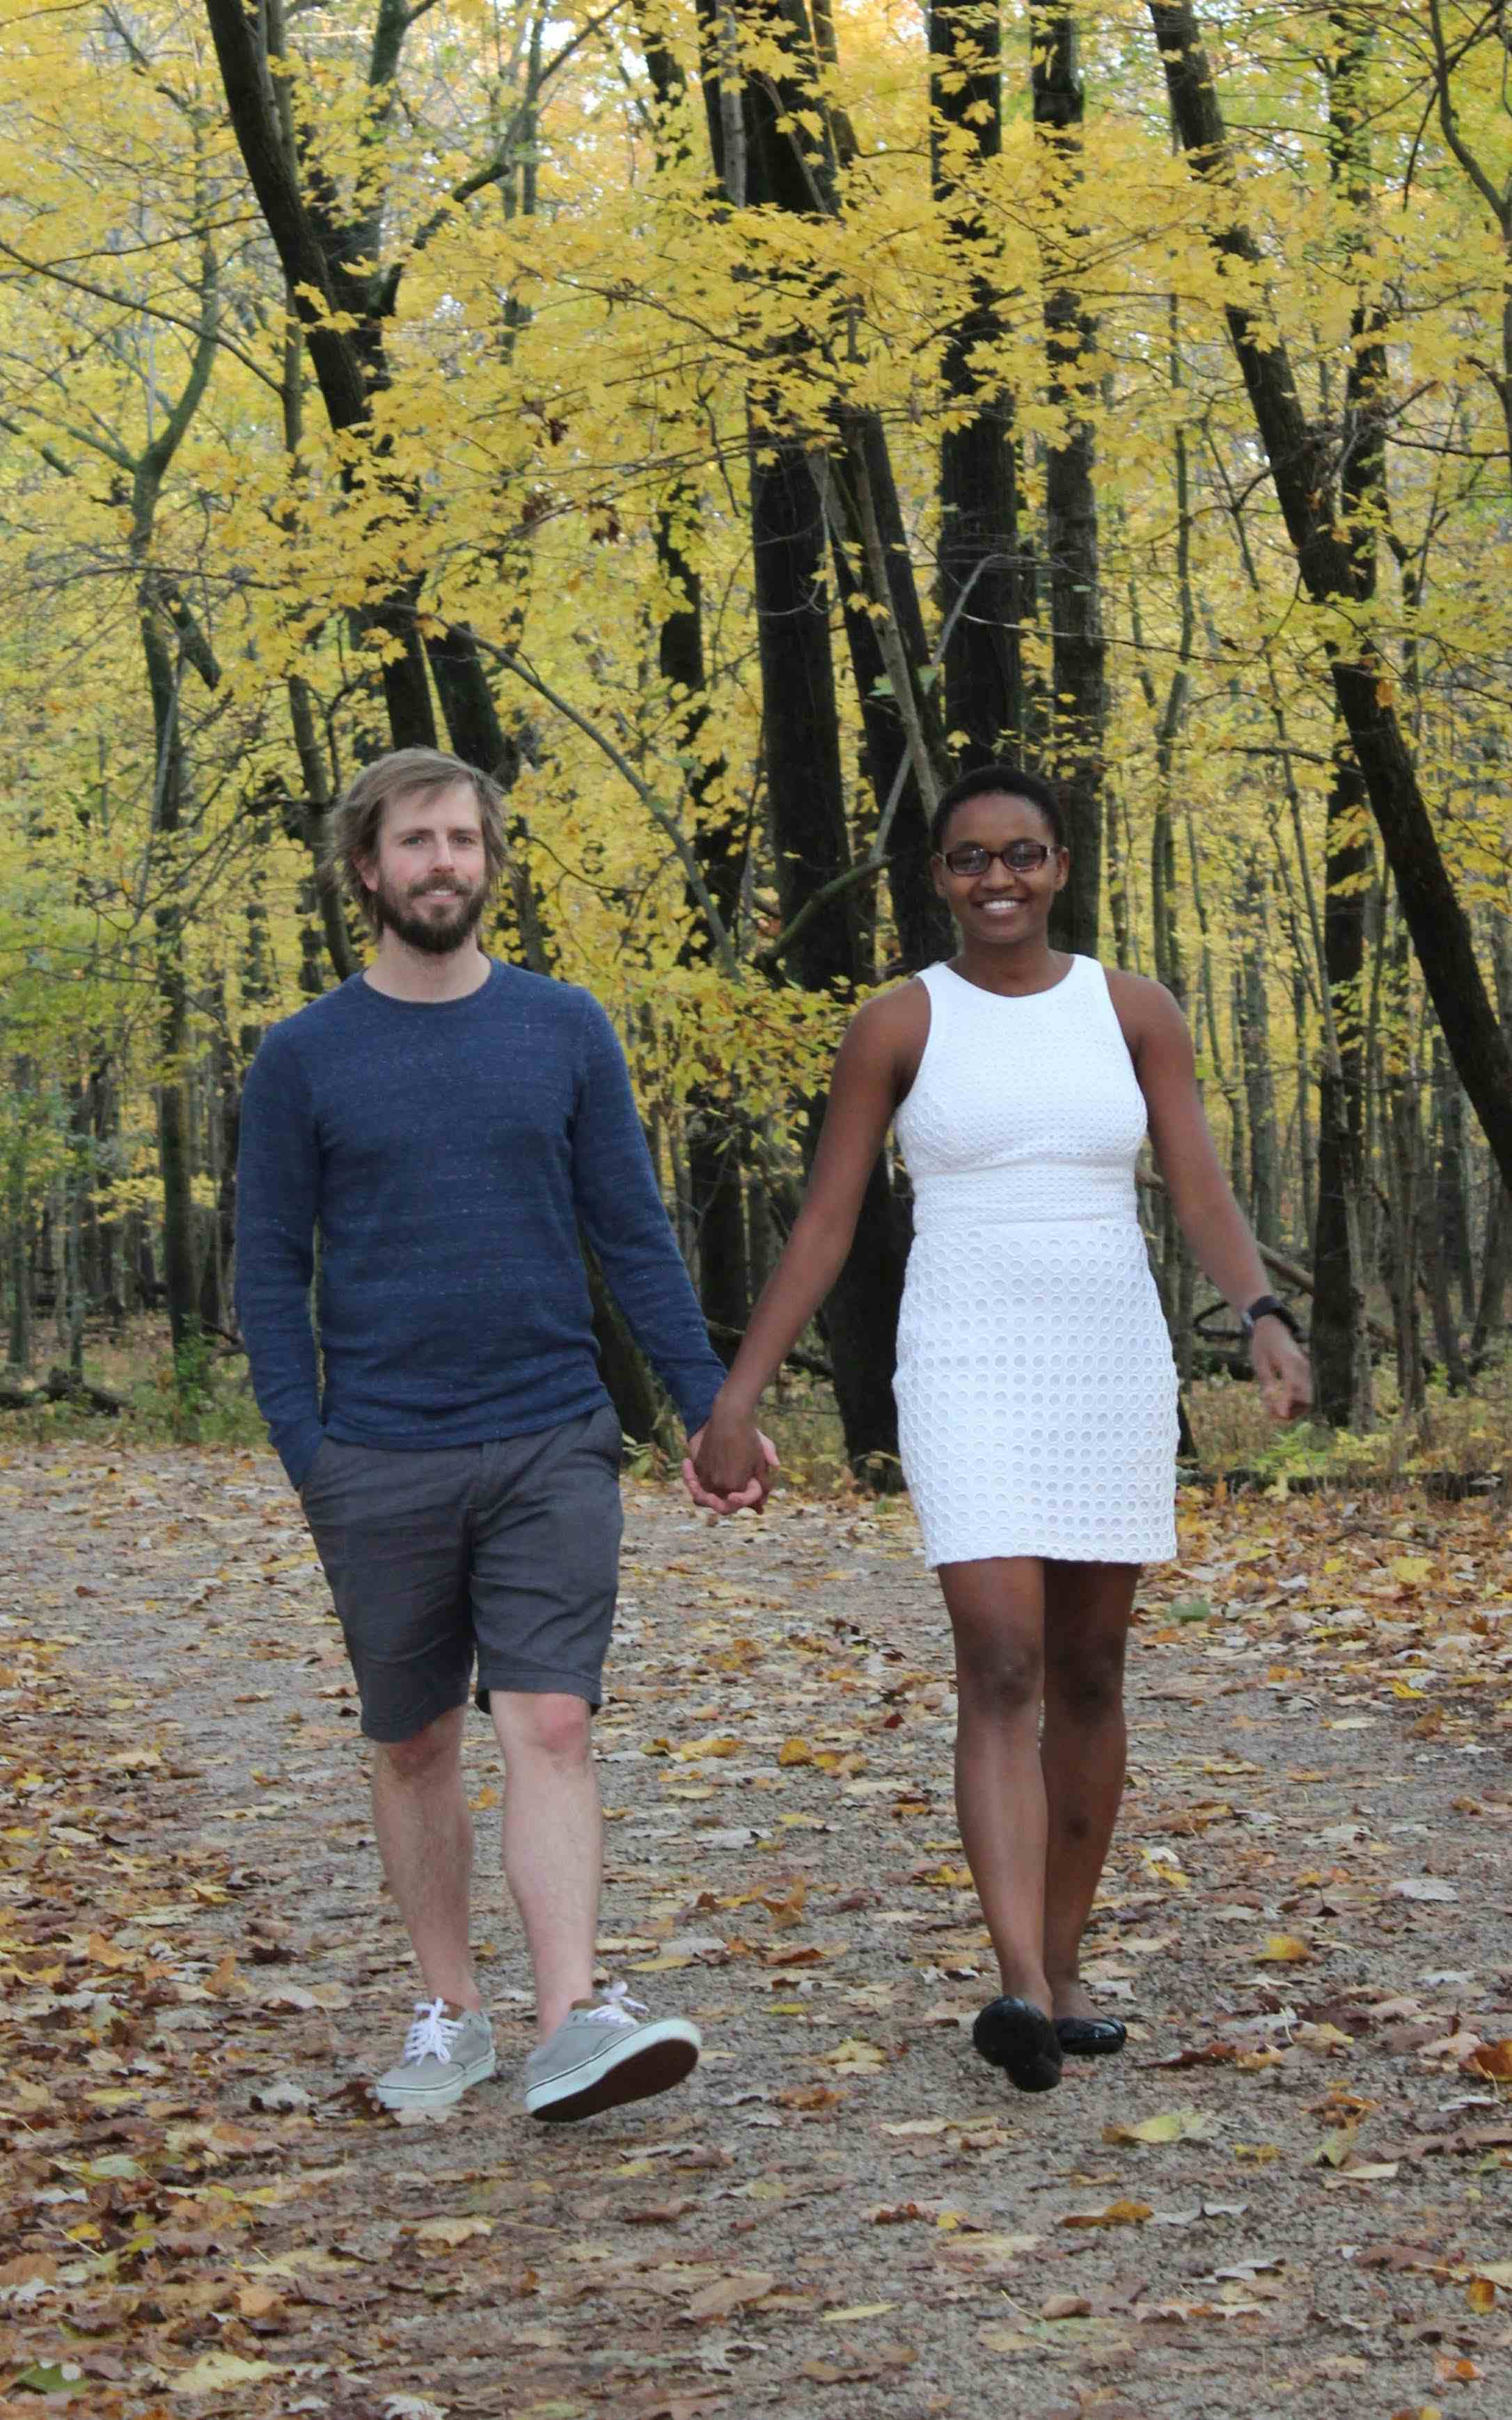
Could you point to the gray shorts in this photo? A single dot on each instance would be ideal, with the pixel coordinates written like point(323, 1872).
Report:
point(509, 1551)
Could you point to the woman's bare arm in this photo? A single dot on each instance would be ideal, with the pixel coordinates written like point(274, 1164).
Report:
point(1210, 1218)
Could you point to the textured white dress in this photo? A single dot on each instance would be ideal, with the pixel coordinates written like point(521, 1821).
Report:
point(1035, 1385)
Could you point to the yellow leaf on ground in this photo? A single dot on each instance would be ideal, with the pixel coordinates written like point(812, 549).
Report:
point(451, 2231)
point(1172, 2126)
point(857, 2311)
point(1412, 1570)
point(855, 2057)
point(794, 1751)
point(1282, 1949)
point(1118, 2214)
point(215, 2371)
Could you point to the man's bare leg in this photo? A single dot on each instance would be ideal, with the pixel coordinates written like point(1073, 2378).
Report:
point(554, 1841)
point(425, 1837)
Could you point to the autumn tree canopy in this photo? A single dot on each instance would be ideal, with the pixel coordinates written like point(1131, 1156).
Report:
point(725, 421)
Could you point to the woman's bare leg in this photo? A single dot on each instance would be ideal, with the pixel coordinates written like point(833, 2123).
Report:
point(996, 1612)
point(1086, 1610)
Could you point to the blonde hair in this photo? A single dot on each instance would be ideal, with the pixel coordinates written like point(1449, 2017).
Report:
point(358, 817)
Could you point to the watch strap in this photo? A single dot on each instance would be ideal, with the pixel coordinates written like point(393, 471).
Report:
point(1268, 1306)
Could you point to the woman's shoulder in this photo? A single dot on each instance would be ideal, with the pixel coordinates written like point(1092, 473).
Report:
point(1141, 997)
point(889, 1030)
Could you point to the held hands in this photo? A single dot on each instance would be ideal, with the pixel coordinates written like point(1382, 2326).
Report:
point(729, 1464)
point(1281, 1370)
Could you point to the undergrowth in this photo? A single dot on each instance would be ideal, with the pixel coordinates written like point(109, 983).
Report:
point(1468, 1434)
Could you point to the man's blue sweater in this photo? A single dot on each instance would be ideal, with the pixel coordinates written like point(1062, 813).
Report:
point(447, 1153)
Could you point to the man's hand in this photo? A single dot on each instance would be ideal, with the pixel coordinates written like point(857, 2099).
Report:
point(1281, 1370)
point(729, 1465)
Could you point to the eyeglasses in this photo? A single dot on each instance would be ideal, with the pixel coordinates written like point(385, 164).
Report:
point(1019, 857)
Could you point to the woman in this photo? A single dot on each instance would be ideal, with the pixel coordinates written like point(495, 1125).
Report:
point(1036, 1390)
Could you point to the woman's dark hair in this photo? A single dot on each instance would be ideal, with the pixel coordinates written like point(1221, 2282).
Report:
point(1013, 781)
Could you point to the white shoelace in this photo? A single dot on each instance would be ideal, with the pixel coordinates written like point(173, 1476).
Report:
point(615, 2007)
point(432, 2034)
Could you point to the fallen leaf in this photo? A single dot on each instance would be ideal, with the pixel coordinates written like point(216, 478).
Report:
point(1493, 2059)
point(1185, 2125)
point(731, 2293)
point(215, 2371)
point(1118, 2214)
point(451, 2231)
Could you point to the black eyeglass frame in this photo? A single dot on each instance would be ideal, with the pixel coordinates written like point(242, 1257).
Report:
point(1039, 853)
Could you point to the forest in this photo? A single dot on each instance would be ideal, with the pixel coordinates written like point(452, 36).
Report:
point(723, 420)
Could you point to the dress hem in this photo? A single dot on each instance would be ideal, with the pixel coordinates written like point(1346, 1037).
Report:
point(1164, 1553)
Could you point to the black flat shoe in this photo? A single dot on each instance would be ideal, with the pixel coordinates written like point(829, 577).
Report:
point(1091, 2037)
point(1020, 2039)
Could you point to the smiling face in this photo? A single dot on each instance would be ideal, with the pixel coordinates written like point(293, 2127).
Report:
point(429, 876)
point(1002, 903)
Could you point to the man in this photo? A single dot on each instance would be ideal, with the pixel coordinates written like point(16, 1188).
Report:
point(446, 1123)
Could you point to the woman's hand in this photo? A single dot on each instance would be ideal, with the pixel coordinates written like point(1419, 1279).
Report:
point(730, 1462)
point(1282, 1371)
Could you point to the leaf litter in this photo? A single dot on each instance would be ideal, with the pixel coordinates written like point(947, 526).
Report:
point(1305, 1911)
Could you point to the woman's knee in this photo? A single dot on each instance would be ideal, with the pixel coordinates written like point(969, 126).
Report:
point(1006, 1681)
point(1088, 1686)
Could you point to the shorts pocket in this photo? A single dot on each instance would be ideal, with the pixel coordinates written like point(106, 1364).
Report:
point(318, 1470)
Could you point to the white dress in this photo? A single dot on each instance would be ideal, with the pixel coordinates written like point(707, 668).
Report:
point(1035, 1385)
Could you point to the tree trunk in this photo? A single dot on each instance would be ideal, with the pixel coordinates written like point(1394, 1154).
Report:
point(1300, 471)
point(785, 164)
point(1078, 679)
point(981, 598)
point(1259, 1083)
point(1340, 1344)
point(1496, 1264)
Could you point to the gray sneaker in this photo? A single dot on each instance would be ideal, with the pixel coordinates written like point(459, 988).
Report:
point(600, 2056)
point(443, 2054)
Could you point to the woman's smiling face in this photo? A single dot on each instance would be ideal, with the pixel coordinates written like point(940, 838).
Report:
point(1001, 902)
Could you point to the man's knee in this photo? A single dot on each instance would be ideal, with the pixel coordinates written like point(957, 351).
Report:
point(426, 1753)
point(543, 1723)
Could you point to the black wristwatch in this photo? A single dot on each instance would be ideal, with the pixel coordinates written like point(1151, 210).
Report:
point(1266, 1306)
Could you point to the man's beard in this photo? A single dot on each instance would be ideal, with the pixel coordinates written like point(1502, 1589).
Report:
point(436, 935)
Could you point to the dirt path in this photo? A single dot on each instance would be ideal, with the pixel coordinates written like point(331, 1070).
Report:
point(1308, 1903)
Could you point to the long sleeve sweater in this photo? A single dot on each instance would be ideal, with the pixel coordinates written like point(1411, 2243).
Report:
point(447, 1153)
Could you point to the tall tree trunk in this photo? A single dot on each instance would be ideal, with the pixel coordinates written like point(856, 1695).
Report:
point(1259, 1082)
point(982, 597)
point(1078, 684)
point(1297, 455)
point(1496, 1262)
point(1443, 1226)
point(1341, 1350)
point(785, 164)
point(713, 1131)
